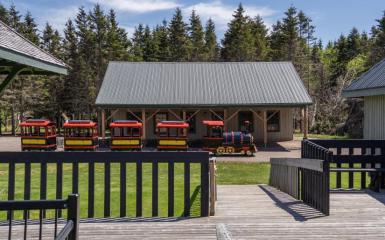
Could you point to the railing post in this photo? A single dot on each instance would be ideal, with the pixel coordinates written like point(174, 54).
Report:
point(205, 187)
point(213, 186)
point(74, 215)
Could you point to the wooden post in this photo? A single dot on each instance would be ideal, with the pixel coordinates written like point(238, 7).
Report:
point(264, 113)
point(213, 186)
point(144, 124)
point(225, 119)
point(103, 124)
point(184, 120)
point(74, 215)
point(305, 122)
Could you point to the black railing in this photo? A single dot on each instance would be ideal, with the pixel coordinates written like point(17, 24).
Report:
point(123, 160)
point(303, 179)
point(70, 230)
point(351, 160)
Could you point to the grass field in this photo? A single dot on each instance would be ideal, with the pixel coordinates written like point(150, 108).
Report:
point(320, 136)
point(228, 173)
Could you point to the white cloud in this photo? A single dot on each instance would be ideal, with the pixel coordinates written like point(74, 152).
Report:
point(222, 13)
point(138, 6)
point(57, 17)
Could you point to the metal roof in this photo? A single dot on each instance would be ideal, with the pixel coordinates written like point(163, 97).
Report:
point(16, 48)
point(371, 83)
point(193, 84)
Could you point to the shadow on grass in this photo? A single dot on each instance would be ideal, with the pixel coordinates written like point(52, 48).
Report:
point(300, 211)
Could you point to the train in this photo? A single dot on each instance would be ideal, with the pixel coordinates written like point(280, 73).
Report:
point(127, 135)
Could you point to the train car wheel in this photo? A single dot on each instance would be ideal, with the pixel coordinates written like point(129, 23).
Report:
point(230, 150)
point(249, 153)
point(242, 152)
point(221, 150)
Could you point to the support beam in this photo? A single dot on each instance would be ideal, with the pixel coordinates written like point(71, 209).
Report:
point(103, 124)
point(215, 114)
point(152, 115)
point(112, 114)
point(192, 115)
point(144, 124)
point(305, 122)
point(10, 77)
point(225, 119)
point(184, 120)
point(134, 115)
point(264, 116)
point(256, 114)
point(175, 115)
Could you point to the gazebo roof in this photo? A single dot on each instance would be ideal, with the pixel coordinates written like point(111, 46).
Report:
point(19, 56)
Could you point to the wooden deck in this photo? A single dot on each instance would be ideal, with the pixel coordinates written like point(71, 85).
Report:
point(257, 212)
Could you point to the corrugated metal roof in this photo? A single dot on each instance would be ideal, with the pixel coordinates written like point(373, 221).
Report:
point(370, 83)
point(201, 84)
point(14, 42)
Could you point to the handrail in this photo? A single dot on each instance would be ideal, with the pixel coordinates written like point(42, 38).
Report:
point(304, 179)
point(70, 231)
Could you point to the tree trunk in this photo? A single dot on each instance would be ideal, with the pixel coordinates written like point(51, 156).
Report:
point(13, 119)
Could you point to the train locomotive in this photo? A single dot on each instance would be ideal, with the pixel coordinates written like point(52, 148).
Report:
point(220, 142)
point(80, 135)
point(172, 135)
point(126, 135)
point(38, 134)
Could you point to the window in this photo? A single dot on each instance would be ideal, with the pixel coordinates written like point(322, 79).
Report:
point(273, 121)
point(245, 122)
point(158, 118)
point(191, 122)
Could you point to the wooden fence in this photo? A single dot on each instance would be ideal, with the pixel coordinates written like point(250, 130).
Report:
point(70, 230)
point(107, 158)
point(354, 158)
point(303, 179)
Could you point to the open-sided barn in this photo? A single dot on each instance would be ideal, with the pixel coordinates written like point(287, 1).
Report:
point(262, 93)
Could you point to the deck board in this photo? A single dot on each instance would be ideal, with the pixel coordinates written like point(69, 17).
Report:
point(257, 212)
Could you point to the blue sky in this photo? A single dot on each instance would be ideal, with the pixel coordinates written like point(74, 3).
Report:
point(331, 17)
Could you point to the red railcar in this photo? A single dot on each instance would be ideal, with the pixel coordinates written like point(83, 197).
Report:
point(126, 135)
point(80, 135)
point(220, 142)
point(172, 135)
point(38, 134)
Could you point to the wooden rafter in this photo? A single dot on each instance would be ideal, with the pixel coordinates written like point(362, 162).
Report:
point(233, 115)
point(176, 115)
point(112, 114)
point(133, 114)
point(195, 113)
point(256, 113)
point(152, 115)
point(213, 112)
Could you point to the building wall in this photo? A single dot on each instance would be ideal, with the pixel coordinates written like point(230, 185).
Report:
point(374, 117)
point(285, 133)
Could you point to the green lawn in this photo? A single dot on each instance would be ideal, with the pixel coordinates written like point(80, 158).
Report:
point(320, 136)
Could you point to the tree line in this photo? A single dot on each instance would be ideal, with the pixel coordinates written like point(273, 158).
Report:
point(94, 37)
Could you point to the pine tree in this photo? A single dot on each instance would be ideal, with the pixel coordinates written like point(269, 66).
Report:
point(99, 28)
point(29, 29)
point(377, 52)
point(196, 37)
point(238, 43)
point(117, 41)
point(137, 49)
point(149, 46)
point(211, 44)
point(15, 19)
point(178, 38)
point(259, 31)
point(4, 14)
point(161, 38)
